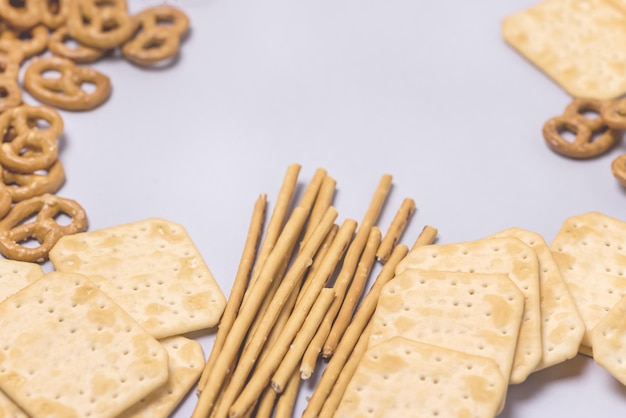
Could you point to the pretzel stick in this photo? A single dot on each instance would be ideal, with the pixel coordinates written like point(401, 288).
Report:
point(247, 313)
point(355, 292)
point(427, 236)
point(287, 400)
point(288, 364)
point(352, 334)
point(261, 376)
point(345, 275)
point(239, 285)
point(339, 388)
point(396, 229)
point(293, 276)
point(266, 403)
point(323, 202)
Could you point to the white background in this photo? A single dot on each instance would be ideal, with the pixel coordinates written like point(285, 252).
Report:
point(426, 91)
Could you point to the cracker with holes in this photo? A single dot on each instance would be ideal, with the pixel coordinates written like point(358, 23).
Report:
point(562, 327)
point(186, 360)
point(591, 256)
point(15, 275)
point(505, 255)
point(68, 350)
point(477, 313)
point(152, 269)
point(402, 378)
point(609, 341)
point(578, 43)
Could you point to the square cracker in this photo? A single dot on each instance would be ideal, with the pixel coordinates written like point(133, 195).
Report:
point(591, 256)
point(152, 269)
point(609, 341)
point(405, 378)
point(15, 275)
point(479, 314)
point(186, 360)
point(562, 327)
point(68, 351)
point(578, 43)
point(506, 255)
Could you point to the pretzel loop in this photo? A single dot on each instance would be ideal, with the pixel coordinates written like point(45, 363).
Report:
point(32, 41)
point(102, 24)
point(24, 16)
point(22, 186)
point(66, 91)
point(15, 230)
point(80, 54)
point(54, 13)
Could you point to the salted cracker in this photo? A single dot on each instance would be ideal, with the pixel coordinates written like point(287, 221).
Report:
point(506, 255)
point(152, 269)
point(578, 43)
point(405, 378)
point(562, 327)
point(591, 256)
point(15, 275)
point(68, 350)
point(476, 313)
point(186, 360)
point(609, 341)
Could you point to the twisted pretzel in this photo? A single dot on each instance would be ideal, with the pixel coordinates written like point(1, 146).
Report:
point(102, 24)
point(16, 230)
point(80, 54)
point(31, 42)
point(22, 16)
point(23, 119)
point(54, 13)
point(158, 37)
point(593, 136)
point(66, 91)
point(25, 186)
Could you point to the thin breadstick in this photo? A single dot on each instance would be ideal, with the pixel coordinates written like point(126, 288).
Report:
point(427, 236)
point(352, 334)
point(319, 259)
point(287, 400)
point(261, 376)
point(345, 275)
point(322, 202)
point(355, 292)
point(266, 404)
point(239, 285)
point(339, 388)
point(292, 277)
point(396, 229)
point(247, 313)
point(311, 193)
point(288, 364)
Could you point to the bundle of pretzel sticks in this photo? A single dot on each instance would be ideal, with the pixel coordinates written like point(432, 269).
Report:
point(300, 295)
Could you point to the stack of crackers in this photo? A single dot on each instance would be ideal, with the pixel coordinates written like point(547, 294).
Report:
point(102, 335)
point(460, 322)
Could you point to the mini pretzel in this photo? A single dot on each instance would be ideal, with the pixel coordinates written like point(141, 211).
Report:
point(16, 230)
point(24, 16)
point(66, 91)
point(102, 24)
point(593, 138)
point(159, 37)
point(25, 186)
point(42, 153)
point(614, 113)
point(618, 167)
point(54, 13)
point(80, 54)
point(25, 118)
point(31, 42)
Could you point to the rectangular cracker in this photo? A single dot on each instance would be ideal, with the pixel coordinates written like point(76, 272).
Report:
point(479, 314)
point(152, 269)
point(562, 326)
point(15, 275)
point(505, 255)
point(405, 378)
point(578, 43)
point(68, 351)
point(591, 256)
point(186, 360)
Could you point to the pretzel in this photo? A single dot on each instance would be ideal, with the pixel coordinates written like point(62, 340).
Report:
point(16, 229)
point(66, 91)
point(593, 136)
point(80, 54)
point(54, 13)
point(23, 16)
point(618, 167)
point(158, 39)
point(25, 118)
point(6, 200)
point(10, 94)
point(32, 41)
point(614, 113)
point(24, 186)
point(102, 24)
